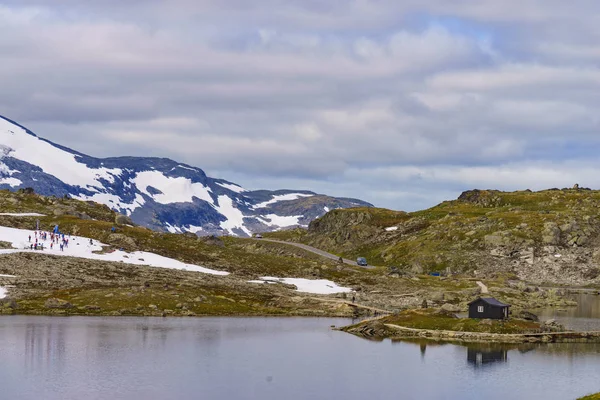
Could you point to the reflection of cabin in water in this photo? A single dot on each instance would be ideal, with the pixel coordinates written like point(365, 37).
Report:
point(488, 308)
point(479, 357)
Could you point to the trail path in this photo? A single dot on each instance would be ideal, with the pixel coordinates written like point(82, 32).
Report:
point(484, 289)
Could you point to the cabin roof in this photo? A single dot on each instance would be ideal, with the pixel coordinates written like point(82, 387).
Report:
point(491, 301)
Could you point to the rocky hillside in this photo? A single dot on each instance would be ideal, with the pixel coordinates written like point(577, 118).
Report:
point(547, 236)
point(155, 192)
point(43, 282)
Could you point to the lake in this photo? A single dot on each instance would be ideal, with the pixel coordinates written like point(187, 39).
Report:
point(584, 317)
point(117, 358)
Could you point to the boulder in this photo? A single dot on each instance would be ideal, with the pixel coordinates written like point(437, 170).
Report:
point(551, 234)
point(121, 219)
point(529, 316)
point(122, 241)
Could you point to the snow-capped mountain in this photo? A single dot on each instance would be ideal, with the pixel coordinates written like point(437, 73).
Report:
point(156, 192)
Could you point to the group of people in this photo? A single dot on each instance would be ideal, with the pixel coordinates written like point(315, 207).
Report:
point(40, 237)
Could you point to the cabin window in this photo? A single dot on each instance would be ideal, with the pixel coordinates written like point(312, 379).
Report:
point(479, 308)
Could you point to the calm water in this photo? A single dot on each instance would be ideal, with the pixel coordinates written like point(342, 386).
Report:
point(270, 358)
point(585, 317)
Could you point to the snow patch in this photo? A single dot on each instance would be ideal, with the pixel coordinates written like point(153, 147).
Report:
point(80, 247)
point(391, 228)
point(22, 215)
point(188, 168)
point(171, 228)
point(113, 201)
point(326, 209)
point(282, 197)
point(235, 218)
point(281, 221)
point(3, 292)
point(174, 190)
point(52, 160)
point(193, 229)
point(231, 186)
point(10, 181)
point(316, 286)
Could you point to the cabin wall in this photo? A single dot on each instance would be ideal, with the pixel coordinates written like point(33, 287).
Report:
point(489, 312)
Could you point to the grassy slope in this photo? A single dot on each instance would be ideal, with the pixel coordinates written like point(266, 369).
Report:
point(244, 258)
point(429, 319)
point(591, 397)
point(83, 283)
point(447, 234)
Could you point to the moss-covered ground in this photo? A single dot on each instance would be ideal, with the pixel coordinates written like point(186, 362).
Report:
point(435, 320)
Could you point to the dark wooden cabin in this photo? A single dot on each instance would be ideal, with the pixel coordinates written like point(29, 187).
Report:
point(488, 308)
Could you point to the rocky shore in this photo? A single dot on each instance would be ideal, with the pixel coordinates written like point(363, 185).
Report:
point(465, 330)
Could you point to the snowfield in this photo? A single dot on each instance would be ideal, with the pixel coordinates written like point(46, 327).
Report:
point(80, 247)
point(19, 144)
point(315, 286)
point(281, 197)
point(232, 186)
point(22, 215)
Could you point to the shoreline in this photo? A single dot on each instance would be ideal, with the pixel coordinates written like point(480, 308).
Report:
point(378, 329)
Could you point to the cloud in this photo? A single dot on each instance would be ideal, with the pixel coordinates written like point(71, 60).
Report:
point(411, 102)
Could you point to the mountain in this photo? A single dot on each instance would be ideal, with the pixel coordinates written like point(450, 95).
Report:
point(158, 193)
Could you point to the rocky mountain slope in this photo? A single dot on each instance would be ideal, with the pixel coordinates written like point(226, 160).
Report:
point(155, 192)
point(47, 282)
point(551, 236)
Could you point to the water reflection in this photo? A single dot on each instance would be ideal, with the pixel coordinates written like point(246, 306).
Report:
point(485, 356)
point(585, 316)
point(271, 358)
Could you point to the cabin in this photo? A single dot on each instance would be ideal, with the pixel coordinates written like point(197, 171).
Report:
point(488, 308)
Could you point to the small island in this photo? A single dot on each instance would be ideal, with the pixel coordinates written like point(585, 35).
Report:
point(442, 325)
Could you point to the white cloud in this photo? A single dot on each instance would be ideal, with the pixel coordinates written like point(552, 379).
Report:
point(411, 101)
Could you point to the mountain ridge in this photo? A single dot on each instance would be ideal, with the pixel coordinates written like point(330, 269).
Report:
point(158, 193)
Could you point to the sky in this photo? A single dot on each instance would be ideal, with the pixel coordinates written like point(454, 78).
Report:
point(402, 103)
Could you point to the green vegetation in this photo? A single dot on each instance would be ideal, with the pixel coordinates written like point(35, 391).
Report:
point(591, 397)
point(455, 234)
point(439, 320)
point(104, 288)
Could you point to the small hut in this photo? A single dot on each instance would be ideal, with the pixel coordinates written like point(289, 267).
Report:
point(488, 308)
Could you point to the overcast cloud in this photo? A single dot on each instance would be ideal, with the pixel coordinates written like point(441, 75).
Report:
point(400, 103)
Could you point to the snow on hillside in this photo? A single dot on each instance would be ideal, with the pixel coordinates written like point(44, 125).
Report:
point(316, 286)
point(280, 221)
point(281, 197)
point(22, 215)
point(52, 160)
point(113, 201)
point(158, 193)
point(231, 186)
point(173, 190)
point(81, 247)
point(235, 218)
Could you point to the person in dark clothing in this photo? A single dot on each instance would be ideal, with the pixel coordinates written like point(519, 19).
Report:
point(353, 298)
point(340, 260)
